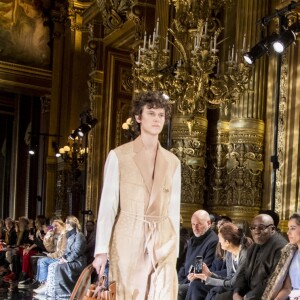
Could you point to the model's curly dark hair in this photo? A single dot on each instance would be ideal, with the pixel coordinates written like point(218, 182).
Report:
point(152, 99)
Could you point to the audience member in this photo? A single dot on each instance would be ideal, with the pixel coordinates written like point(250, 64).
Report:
point(183, 242)
point(285, 280)
point(64, 273)
point(55, 242)
point(203, 243)
point(2, 230)
point(14, 253)
point(90, 241)
point(262, 258)
point(36, 236)
point(273, 214)
point(213, 286)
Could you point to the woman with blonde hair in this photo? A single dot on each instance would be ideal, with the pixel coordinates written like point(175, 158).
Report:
point(63, 274)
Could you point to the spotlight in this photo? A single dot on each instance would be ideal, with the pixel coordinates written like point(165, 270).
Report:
point(31, 152)
point(256, 52)
point(86, 127)
point(259, 49)
point(74, 134)
point(284, 40)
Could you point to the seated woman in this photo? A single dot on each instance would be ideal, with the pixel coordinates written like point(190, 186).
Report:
point(62, 275)
point(284, 282)
point(55, 242)
point(36, 236)
point(15, 252)
point(213, 286)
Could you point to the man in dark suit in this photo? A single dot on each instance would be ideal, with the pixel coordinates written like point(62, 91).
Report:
point(261, 260)
point(203, 243)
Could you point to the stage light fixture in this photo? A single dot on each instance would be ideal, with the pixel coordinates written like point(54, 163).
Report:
point(256, 52)
point(31, 152)
point(86, 127)
point(260, 48)
point(74, 134)
point(284, 40)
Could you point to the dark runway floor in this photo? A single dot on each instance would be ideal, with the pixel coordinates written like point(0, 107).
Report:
point(10, 291)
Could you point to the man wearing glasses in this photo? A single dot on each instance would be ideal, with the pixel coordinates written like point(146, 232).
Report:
point(262, 258)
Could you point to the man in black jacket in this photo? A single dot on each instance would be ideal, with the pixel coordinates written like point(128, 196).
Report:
point(203, 243)
point(261, 260)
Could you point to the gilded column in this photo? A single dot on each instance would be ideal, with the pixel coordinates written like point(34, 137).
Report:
point(189, 144)
point(236, 152)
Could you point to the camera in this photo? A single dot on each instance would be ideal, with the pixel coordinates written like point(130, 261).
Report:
point(198, 264)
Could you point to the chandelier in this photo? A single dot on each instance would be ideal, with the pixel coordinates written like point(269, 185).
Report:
point(73, 153)
point(191, 76)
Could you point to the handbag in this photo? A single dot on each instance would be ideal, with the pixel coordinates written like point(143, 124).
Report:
point(85, 290)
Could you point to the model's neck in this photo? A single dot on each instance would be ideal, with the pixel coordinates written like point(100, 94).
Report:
point(150, 142)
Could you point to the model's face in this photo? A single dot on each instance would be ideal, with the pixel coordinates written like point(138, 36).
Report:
point(293, 232)
point(199, 226)
point(261, 230)
point(151, 120)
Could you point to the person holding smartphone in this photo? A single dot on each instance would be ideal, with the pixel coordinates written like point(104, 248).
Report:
point(212, 286)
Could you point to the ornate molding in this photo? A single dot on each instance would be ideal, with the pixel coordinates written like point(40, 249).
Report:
point(114, 13)
point(281, 132)
point(189, 145)
point(235, 163)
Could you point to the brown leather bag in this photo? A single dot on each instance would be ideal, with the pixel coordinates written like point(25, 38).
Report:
point(84, 290)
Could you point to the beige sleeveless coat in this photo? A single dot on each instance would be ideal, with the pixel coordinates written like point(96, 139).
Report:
point(143, 246)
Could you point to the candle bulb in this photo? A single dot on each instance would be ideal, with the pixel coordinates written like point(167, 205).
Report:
point(139, 55)
point(167, 40)
point(244, 42)
point(145, 38)
point(157, 25)
point(215, 42)
point(211, 45)
point(205, 29)
point(232, 52)
point(153, 37)
point(149, 43)
point(229, 53)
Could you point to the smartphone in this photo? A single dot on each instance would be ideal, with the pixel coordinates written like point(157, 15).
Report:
point(198, 264)
point(191, 269)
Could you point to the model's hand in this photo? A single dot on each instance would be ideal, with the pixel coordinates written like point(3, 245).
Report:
point(236, 296)
point(99, 263)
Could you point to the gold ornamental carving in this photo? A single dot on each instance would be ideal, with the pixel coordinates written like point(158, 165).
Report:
point(235, 167)
point(189, 145)
point(114, 13)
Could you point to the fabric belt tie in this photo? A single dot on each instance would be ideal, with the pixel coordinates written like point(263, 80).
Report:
point(152, 225)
